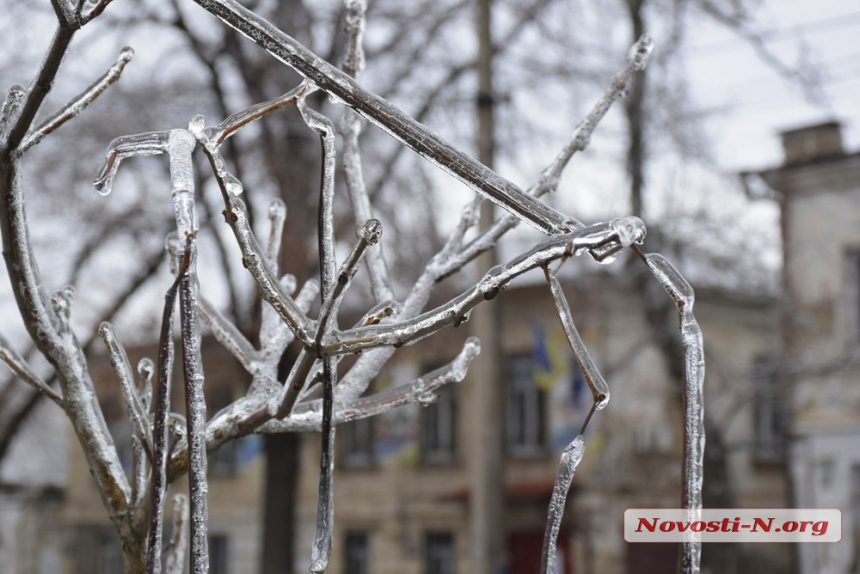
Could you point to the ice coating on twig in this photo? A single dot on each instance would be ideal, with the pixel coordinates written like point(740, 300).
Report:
point(412, 329)
point(321, 549)
point(570, 459)
point(153, 143)
point(175, 563)
point(254, 260)
point(598, 386)
point(694, 413)
point(161, 429)
point(180, 145)
point(11, 109)
point(195, 405)
point(80, 102)
point(228, 335)
point(20, 367)
point(389, 118)
point(307, 417)
point(277, 217)
point(61, 303)
point(640, 53)
point(229, 126)
point(145, 373)
point(119, 361)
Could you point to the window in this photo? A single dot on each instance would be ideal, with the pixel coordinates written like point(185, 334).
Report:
point(438, 427)
point(356, 558)
point(771, 422)
point(222, 462)
point(356, 439)
point(97, 551)
point(526, 411)
point(439, 557)
point(218, 554)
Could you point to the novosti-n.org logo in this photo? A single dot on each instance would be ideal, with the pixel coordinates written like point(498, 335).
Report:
point(733, 525)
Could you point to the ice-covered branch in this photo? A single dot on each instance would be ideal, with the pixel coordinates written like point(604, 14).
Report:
point(307, 417)
point(598, 386)
point(254, 259)
point(217, 135)
point(550, 176)
point(40, 87)
point(179, 539)
point(20, 367)
point(637, 60)
point(622, 231)
point(79, 102)
point(136, 413)
point(161, 426)
point(350, 129)
point(389, 118)
point(228, 335)
point(682, 294)
point(570, 459)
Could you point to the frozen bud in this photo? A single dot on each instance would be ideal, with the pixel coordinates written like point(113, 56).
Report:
point(277, 210)
point(62, 301)
point(426, 398)
point(371, 231)
point(640, 52)
point(174, 249)
point(11, 105)
point(145, 369)
point(125, 55)
point(196, 127)
point(630, 230)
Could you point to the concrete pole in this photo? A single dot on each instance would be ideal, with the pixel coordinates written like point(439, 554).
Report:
point(486, 406)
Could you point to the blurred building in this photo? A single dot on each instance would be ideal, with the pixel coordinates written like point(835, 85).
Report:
point(404, 486)
point(818, 191)
point(782, 393)
point(404, 481)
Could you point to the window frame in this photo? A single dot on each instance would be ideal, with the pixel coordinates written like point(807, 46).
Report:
point(526, 413)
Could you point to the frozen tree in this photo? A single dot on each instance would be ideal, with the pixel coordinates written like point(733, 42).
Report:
point(167, 444)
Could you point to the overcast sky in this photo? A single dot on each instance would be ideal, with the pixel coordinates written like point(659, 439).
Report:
point(725, 72)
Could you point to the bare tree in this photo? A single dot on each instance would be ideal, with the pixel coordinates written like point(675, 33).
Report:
point(164, 450)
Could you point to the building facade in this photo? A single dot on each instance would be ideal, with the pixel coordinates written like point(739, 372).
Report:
point(818, 190)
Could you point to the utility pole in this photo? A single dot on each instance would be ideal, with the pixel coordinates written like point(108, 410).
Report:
point(486, 406)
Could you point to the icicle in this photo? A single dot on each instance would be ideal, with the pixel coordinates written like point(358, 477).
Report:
point(570, 459)
point(598, 386)
point(145, 372)
point(127, 146)
point(277, 216)
point(180, 145)
point(694, 379)
point(325, 511)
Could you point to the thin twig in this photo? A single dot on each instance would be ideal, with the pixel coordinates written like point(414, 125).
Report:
point(20, 367)
point(158, 488)
point(80, 102)
point(179, 539)
point(134, 406)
